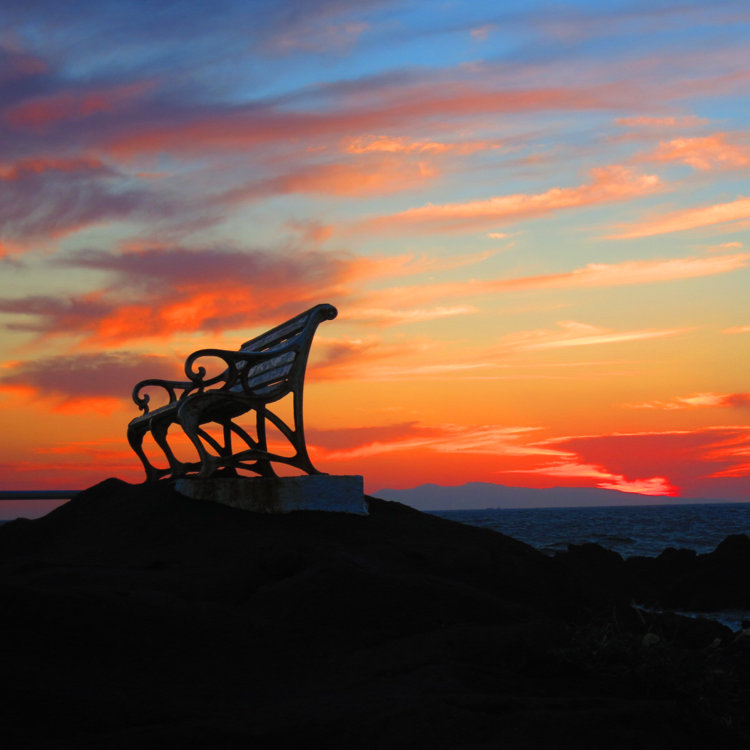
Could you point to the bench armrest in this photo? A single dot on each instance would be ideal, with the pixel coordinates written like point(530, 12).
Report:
point(170, 386)
point(230, 360)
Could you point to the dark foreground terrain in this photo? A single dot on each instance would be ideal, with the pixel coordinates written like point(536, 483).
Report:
point(136, 618)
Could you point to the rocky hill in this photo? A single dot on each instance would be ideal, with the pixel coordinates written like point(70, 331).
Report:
point(135, 617)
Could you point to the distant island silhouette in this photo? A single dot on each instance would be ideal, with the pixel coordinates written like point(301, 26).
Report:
point(476, 495)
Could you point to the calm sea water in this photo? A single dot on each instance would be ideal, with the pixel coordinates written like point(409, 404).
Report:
point(629, 530)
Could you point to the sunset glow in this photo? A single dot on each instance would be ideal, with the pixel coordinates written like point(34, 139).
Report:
point(533, 218)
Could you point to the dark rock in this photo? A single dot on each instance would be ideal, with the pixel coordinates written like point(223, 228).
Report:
point(139, 618)
point(680, 579)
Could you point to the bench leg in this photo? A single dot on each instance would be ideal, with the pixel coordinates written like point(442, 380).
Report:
point(159, 431)
point(136, 433)
point(189, 420)
point(296, 437)
point(262, 465)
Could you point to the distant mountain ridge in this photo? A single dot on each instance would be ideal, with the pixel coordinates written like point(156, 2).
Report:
point(479, 495)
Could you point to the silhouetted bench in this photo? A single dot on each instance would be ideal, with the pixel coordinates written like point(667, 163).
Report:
point(263, 371)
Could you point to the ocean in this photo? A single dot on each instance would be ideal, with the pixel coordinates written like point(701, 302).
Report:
point(628, 530)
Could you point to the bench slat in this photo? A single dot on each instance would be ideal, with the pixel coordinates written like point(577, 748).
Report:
point(275, 337)
point(271, 377)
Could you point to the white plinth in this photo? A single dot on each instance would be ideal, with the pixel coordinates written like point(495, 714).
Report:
point(343, 494)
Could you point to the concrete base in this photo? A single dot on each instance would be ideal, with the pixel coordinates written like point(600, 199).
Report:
point(344, 494)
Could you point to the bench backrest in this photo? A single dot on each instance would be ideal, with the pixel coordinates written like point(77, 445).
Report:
point(280, 374)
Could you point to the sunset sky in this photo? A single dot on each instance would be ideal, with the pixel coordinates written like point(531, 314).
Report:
point(533, 217)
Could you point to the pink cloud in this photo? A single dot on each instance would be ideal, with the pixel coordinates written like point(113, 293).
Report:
point(43, 111)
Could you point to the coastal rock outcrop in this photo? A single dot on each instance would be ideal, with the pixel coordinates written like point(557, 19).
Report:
point(675, 579)
point(138, 617)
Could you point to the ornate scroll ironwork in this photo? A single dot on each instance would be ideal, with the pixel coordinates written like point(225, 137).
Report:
point(262, 372)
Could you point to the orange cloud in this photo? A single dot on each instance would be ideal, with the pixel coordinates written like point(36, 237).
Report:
point(350, 444)
point(369, 143)
point(691, 218)
point(373, 176)
point(723, 246)
point(571, 334)
point(704, 153)
point(661, 122)
point(608, 184)
point(712, 462)
point(389, 266)
point(704, 463)
point(631, 272)
point(392, 316)
point(373, 143)
point(602, 478)
point(699, 400)
point(83, 382)
point(590, 276)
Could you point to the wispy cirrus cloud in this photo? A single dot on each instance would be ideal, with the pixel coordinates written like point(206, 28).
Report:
point(404, 145)
point(50, 197)
point(365, 177)
point(608, 184)
point(573, 334)
point(659, 123)
point(698, 401)
point(353, 443)
point(633, 272)
point(685, 219)
point(593, 275)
